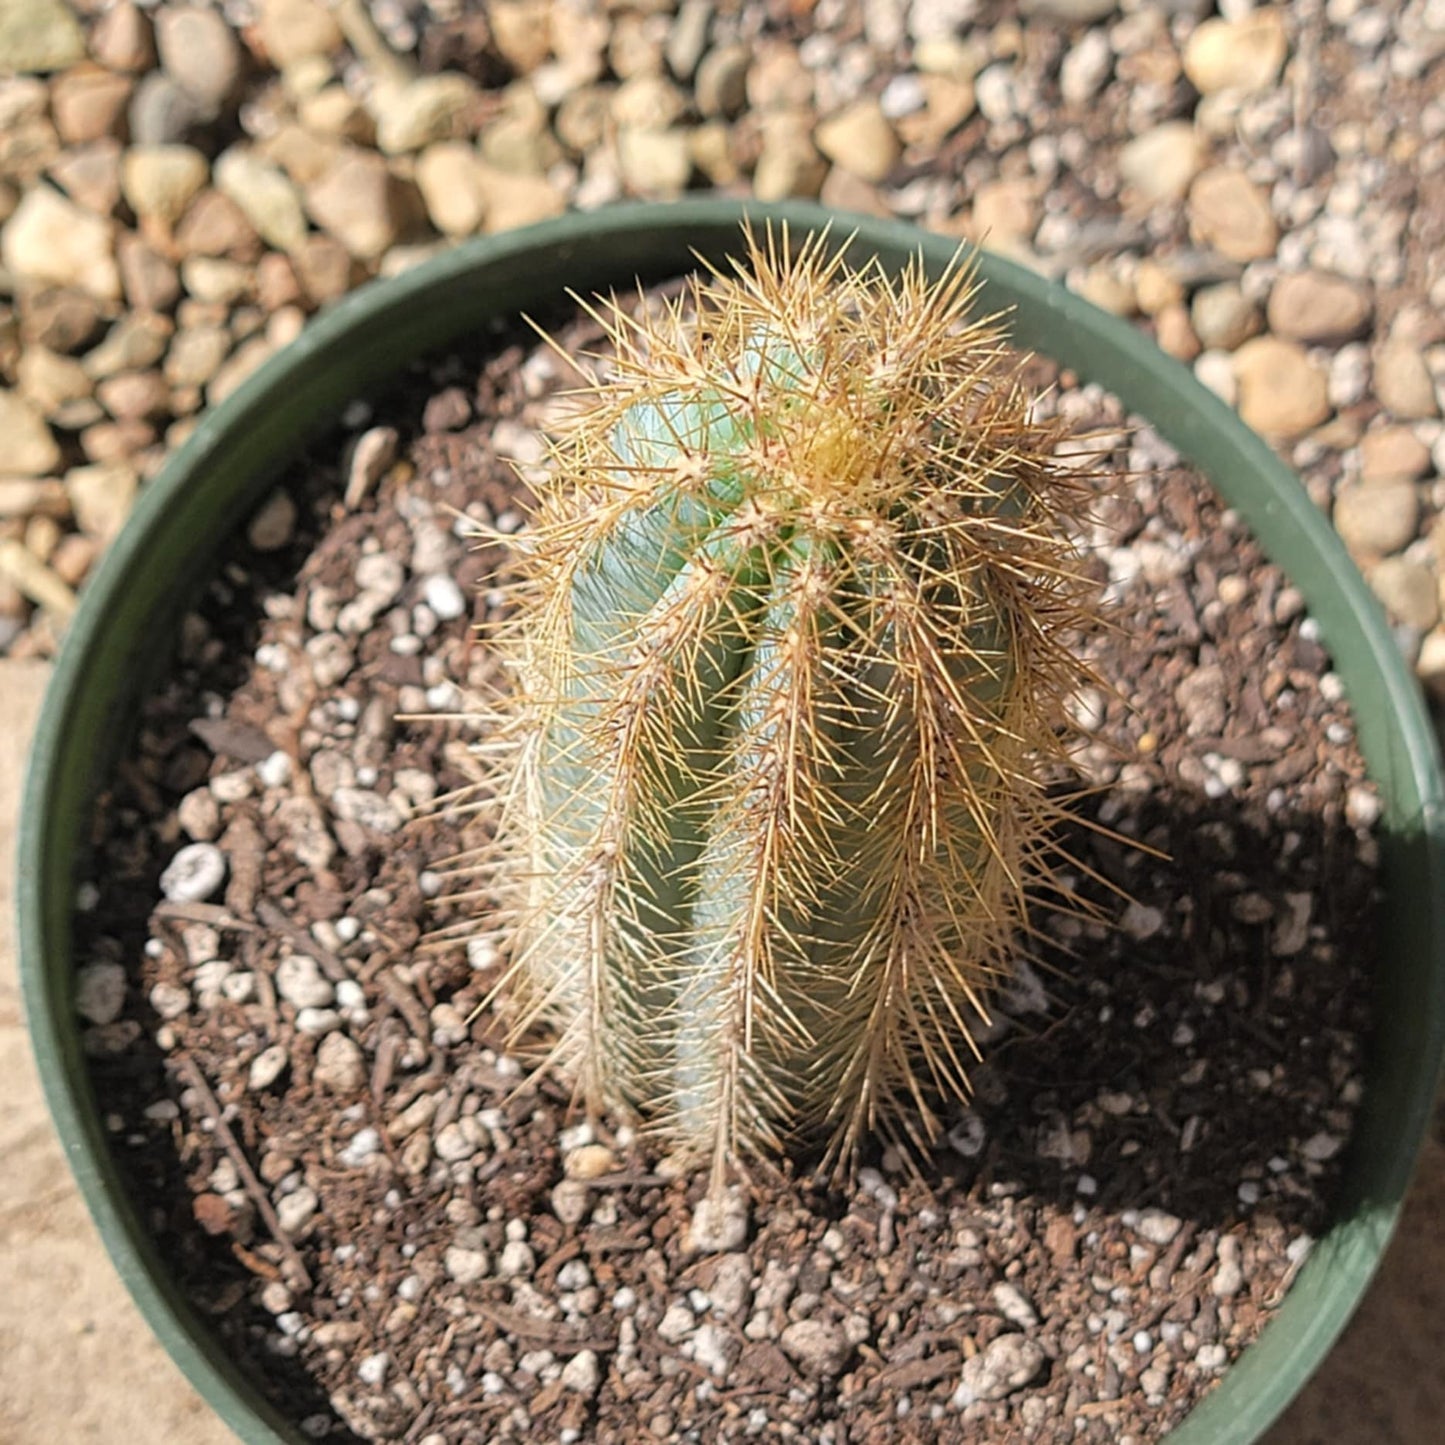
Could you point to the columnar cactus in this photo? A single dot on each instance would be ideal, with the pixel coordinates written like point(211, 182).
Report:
point(790, 656)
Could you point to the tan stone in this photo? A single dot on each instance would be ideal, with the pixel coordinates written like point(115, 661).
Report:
point(215, 225)
point(861, 140)
point(1282, 393)
point(88, 103)
point(49, 380)
point(363, 204)
point(948, 102)
point(1378, 519)
point(1244, 54)
point(1408, 590)
point(102, 496)
point(430, 108)
point(1315, 306)
point(1393, 452)
point(135, 395)
point(1006, 208)
point(90, 174)
point(446, 176)
point(264, 194)
point(1174, 333)
point(324, 268)
point(517, 200)
point(29, 448)
point(160, 181)
point(52, 239)
point(788, 164)
point(1229, 212)
point(122, 39)
point(655, 163)
point(294, 30)
point(522, 32)
point(336, 113)
point(1155, 287)
point(151, 283)
point(1160, 164)
point(1403, 382)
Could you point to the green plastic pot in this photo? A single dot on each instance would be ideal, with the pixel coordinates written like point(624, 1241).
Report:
point(120, 636)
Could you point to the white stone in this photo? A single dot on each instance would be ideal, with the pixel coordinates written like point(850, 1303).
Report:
point(267, 1067)
point(299, 981)
point(676, 1324)
point(466, 1266)
point(582, 1374)
point(1007, 1364)
point(340, 1064)
point(194, 874)
point(718, 1226)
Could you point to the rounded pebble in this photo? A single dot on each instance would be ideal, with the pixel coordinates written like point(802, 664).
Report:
point(194, 874)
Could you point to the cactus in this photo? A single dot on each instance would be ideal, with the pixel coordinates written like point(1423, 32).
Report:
point(789, 663)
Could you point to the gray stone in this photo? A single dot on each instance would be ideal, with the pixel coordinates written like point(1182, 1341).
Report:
point(721, 87)
point(1223, 316)
point(200, 52)
point(160, 112)
point(100, 992)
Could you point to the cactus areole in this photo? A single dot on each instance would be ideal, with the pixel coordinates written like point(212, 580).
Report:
point(789, 655)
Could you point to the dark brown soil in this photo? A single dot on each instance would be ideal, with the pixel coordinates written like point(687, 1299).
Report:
point(398, 1244)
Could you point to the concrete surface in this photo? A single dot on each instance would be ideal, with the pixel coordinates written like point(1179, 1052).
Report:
point(77, 1363)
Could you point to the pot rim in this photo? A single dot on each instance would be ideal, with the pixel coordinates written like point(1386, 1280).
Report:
point(230, 461)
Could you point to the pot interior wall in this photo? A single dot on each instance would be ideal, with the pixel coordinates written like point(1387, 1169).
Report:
point(121, 634)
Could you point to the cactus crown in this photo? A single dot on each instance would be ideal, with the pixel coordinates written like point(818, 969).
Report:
point(790, 658)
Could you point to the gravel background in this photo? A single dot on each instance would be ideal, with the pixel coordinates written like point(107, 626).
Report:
point(180, 185)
